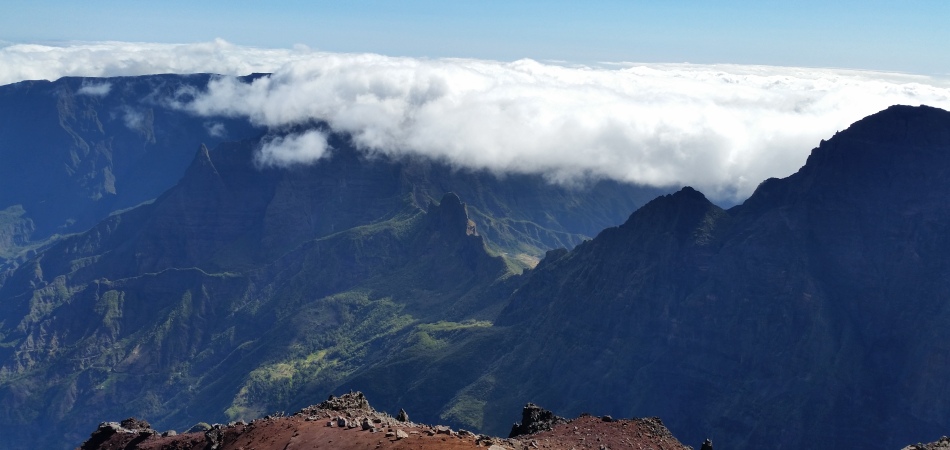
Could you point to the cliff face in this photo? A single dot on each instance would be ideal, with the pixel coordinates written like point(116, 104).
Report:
point(810, 316)
point(76, 149)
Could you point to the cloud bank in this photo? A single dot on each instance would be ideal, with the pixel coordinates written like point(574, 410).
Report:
point(720, 128)
point(109, 59)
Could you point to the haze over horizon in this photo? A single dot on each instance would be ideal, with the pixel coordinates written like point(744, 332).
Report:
point(538, 88)
point(907, 37)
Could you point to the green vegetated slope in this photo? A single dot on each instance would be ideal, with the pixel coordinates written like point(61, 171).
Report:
point(246, 290)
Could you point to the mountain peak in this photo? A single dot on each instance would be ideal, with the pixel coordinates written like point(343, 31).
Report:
point(667, 209)
point(201, 164)
point(901, 146)
point(687, 192)
point(451, 214)
point(901, 124)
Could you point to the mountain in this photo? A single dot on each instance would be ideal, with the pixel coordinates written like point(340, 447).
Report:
point(246, 289)
point(77, 149)
point(811, 316)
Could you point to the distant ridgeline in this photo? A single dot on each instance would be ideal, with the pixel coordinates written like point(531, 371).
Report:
point(144, 273)
point(77, 149)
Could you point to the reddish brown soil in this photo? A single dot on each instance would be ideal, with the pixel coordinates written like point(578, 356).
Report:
point(296, 433)
point(592, 432)
point(309, 430)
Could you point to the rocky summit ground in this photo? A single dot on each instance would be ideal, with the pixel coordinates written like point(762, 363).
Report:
point(941, 444)
point(349, 422)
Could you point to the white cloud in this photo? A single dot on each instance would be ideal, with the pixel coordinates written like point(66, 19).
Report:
point(720, 128)
point(134, 120)
point(216, 129)
point(20, 62)
point(95, 89)
point(295, 148)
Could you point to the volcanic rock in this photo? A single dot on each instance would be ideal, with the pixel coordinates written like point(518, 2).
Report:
point(535, 419)
point(298, 432)
point(353, 400)
point(134, 424)
point(942, 444)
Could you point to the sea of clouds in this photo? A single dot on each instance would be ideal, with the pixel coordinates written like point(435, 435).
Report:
point(720, 128)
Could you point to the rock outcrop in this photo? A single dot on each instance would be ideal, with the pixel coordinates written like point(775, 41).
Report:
point(942, 444)
point(350, 401)
point(535, 419)
point(130, 430)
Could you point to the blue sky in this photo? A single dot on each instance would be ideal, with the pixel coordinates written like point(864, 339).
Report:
point(569, 90)
point(907, 36)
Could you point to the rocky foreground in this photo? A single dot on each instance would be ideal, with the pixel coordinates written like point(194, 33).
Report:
point(942, 444)
point(349, 422)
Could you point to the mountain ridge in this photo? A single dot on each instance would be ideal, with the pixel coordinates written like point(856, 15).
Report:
point(800, 298)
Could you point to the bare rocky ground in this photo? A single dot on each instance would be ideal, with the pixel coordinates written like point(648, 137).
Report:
point(349, 422)
point(942, 444)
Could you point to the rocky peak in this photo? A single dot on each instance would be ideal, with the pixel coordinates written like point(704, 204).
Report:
point(871, 148)
point(451, 215)
point(683, 213)
point(902, 151)
point(686, 198)
point(201, 164)
point(914, 125)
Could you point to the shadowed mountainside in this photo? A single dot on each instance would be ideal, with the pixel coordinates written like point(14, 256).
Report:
point(813, 315)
